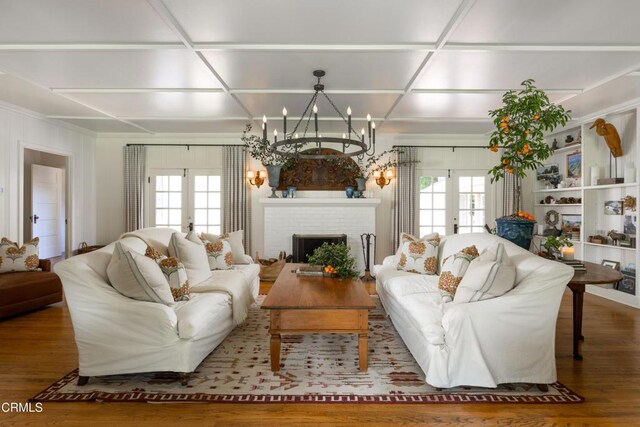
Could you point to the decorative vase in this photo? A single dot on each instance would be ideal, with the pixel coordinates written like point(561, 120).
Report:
point(356, 194)
point(273, 172)
point(515, 230)
point(292, 191)
point(362, 186)
point(349, 192)
point(285, 194)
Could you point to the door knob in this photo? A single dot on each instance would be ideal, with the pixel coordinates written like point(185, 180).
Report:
point(35, 219)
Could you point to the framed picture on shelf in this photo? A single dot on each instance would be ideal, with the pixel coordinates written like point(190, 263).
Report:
point(571, 222)
point(574, 165)
point(613, 207)
point(548, 172)
point(611, 264)
point(630, 224)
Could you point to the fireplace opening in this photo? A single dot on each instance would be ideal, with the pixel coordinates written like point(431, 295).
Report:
point(304, 244)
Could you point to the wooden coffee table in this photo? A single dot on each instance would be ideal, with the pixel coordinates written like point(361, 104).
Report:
point(317, 305)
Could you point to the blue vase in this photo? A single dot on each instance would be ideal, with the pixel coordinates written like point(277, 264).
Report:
point(349, 191)
point(356, 194)
point(362, 186)
point(515, 230)
point(273, 171)
point(292, 191)
point(285, 194)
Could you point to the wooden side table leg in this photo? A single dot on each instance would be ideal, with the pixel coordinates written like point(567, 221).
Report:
point(275, 352)
point(363, 350)
point(578, 301)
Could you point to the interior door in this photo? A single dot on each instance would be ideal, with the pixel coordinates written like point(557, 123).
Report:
point(46, 203)
point(166, 199)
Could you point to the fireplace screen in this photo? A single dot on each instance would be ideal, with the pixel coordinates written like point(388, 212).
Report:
point(305, 244)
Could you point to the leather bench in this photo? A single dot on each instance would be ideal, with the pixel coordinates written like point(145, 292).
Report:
point(25, 291)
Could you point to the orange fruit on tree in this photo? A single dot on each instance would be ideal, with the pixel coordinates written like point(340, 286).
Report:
point(505, 118)
point(536, 116)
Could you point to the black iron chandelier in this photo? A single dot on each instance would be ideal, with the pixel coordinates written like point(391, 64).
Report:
point(311, 144)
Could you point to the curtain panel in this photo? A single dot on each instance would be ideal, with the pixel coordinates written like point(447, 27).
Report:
point(405, 194)
point(236, 206)
point(508, 188)
point(134, 175)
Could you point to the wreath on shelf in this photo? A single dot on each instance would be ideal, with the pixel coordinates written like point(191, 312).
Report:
point(552, 218)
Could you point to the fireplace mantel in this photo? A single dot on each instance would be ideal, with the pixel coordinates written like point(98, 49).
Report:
point(324, 201)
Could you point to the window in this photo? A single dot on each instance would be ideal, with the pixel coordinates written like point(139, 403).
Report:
point(471, 204)
point(433, 205)
point(207, 204)
point(168, 201)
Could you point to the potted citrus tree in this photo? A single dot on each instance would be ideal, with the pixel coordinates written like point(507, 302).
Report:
point(520, 124)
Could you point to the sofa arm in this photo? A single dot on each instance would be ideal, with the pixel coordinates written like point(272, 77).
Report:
point(44, 265)
point(246, 259)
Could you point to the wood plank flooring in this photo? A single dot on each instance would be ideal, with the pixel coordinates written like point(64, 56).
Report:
point(38, 349)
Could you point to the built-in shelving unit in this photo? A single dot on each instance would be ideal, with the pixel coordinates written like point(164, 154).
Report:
point(595, 154)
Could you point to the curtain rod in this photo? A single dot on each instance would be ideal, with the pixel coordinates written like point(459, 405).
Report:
point(185, 145)
point(441, 146)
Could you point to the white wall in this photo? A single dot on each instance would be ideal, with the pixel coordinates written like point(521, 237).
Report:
point(24, 129)
point(110, 208)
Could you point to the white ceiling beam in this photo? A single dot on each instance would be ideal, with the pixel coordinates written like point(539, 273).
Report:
point(481, 119)
point(163, 11)
point(448, 30)
point(134, 90)
point(506, 47)
point(372, 47)
point(89, 46)
point(499, 91)
point(231, 91)
point(311, 91)
point(634, 74)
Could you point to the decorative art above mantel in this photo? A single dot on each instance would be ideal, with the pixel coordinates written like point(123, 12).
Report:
point(319, 175)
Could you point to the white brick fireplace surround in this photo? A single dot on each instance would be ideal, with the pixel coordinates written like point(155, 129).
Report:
point(285, 217)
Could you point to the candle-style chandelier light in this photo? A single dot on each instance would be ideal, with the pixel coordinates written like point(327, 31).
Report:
point(310, 145)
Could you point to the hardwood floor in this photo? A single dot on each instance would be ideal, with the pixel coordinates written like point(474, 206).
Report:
point(38, 349)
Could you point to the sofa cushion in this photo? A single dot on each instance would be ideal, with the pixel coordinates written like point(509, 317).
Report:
point(400, 283)
point(201, 314)
point(235, 239)
point(137, 276)
point(191, 252)
point(173, 271)
point(219, 254)
point(425, 312)
point(14, 258)
point(490, 275)
point(453, 270)
point(419, 255)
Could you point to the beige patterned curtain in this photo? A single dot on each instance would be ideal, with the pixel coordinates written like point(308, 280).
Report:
point(508, 202)
point(236, 207)
point(134, 175)
point(404, 200)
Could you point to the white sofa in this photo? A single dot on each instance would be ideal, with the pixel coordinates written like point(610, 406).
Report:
point(117, 335)
point(508, 339)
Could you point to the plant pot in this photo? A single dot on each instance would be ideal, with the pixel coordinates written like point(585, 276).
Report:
point(362, 186)
point(518, 231)
point(273, 172)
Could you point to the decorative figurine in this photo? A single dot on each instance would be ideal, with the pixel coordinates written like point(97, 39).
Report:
point(554, 144)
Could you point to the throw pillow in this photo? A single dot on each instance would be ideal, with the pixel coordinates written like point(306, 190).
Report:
point(219, 254)
point(490, 275)
point(174, 272)
point(14, 258)
point(137, 276)
point(191, 252)
point(453, 269)
point(235, 240)
point(419, 255)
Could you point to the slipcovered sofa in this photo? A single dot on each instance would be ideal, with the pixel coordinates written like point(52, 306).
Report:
point(118, 335)
point(507, 339)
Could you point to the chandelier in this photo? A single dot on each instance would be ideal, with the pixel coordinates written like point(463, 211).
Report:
point(312, 145)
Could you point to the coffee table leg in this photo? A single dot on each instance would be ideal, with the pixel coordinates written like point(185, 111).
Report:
point(578, 301)
point(275, 352)
point(363, 349)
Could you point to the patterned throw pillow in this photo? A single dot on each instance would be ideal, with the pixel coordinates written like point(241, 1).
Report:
point(14, 258)
point(453, 269)
point(219, 253)
point(174, 272)
point(419, 255)
point(234, 238)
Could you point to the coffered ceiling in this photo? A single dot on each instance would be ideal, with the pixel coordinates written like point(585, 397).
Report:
point(418, 66)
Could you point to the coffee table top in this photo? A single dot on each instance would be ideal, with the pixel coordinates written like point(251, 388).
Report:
point(291, 291)
point(596, 274)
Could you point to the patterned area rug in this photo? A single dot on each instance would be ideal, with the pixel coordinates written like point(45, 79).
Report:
point(316, 369)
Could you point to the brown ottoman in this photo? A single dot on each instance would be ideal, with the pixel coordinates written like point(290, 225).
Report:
point(27, 290)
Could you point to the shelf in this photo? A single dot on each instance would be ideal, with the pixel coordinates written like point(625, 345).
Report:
point(541, 236)
point(609, 246)
point(575, 147)
point(601, 187)
point(563, 131)
point(557, 190)
point(546, 205)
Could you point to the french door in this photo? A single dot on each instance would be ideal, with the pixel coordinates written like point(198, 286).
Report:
point(454, 201)
point(185, 199)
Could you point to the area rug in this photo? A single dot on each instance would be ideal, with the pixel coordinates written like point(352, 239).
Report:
point(315, 369)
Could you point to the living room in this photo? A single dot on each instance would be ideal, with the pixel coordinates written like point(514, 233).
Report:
point(418, 212)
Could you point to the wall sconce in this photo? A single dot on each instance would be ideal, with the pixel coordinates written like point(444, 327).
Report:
point(256, 178)
point(383, 178)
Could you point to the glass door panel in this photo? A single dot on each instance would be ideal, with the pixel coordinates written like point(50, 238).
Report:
point(207, 205)
point(471, 195)
point(166, 198)
point(433, 205)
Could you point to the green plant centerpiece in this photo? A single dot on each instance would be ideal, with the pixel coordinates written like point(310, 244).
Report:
point(336, 259)
point(521, 122)
point(261, 150)
point(554, 244)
